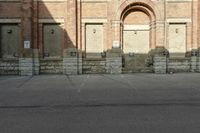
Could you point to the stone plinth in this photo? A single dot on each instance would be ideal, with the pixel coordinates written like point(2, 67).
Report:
point(160, 60)
point(26, 66)
point(36, 62)
point(114, 61)
point(198, 64)
point(160, 64)
point(194, 63)
point(26, 63)
point(72, 63)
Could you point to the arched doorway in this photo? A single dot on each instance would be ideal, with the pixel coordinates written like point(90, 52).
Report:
point(136, 32)
point(137, 38)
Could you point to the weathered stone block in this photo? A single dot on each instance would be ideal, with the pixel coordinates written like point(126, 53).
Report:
point(160, 64)
point(26, 66)
point(114, 65)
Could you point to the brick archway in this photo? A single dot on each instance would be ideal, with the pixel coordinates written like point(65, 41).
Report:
point(145, 7)
point(145, 3)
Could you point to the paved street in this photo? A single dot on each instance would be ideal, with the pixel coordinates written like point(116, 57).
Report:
point(130, 103)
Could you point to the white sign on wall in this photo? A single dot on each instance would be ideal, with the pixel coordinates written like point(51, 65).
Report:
point(27, 44)
point(115, 44)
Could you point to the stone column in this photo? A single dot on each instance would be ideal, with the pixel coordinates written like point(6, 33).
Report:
point(26, 57)
point(198, 61)
point(160, 60)
point(114, 61)
point(193, 60)
point(36, 62)
point(72, 62)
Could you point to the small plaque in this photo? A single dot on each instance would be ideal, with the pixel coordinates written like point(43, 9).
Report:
point(27, 44)
point(115, 44)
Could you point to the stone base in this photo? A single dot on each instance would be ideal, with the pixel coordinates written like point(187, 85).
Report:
point(9, 67)
point(36, 66)
point(193, 64)
point(114, 65)
point(160, 65)
point(198, 64)
point(36, 62)
point(26, 66)
point(114, 61)
point(72, 61)
point(71, 66)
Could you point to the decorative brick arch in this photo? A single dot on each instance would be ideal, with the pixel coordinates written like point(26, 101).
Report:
point(147, 7)
point(138, 8)
point(143, 3)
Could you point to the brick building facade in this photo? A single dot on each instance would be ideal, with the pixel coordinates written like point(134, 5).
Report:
point(99, 36)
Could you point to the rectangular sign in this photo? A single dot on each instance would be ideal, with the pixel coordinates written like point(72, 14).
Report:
point(27, 44)
point(115, 44)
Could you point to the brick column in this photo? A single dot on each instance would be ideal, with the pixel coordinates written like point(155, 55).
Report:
point(71, 23)
point(116, 33)
point(26, 58)
point(194, 61)
point(160, 34)
point(72, 61)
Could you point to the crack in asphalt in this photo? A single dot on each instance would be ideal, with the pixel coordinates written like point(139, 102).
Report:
point(70, 81)
point(100, 105)
point(24, 82)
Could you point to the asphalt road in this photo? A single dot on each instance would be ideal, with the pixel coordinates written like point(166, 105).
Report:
point(136, 103)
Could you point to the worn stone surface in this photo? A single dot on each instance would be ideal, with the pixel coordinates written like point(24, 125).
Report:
point(9, 67)
point(94, 66)
point(114, 65)
point(71, 66)
point(194, 63)
point(72, 61)
point(179, 65)
point(36, 62)
point(26, 66)
point(160, 64)
point(114, 61)
point(198, 64)
point(51, 66)
point(136, 63)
